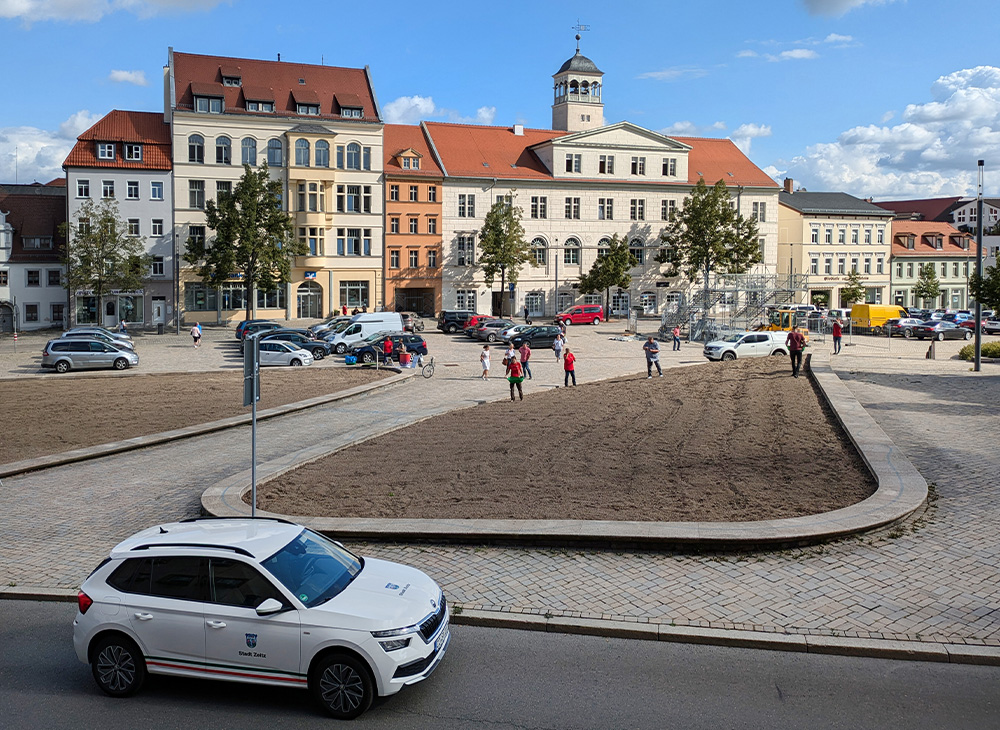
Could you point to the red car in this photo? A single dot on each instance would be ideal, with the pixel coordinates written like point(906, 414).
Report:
point(971, 324)
point(581, 314)
point(473, 322)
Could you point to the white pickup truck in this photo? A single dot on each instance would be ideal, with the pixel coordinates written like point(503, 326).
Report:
point(747, 344)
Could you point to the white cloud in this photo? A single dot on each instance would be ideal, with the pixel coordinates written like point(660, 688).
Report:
point(837, 38)
point(690, 129)
point(887, 116)
point(39, 153)
point(747, 54)
point(93, 10)
point(412, 109)
point(796, 54)
point(837, 8)
point(744, 134)
point(931, 152)
point(675, 73)
point(129, 77)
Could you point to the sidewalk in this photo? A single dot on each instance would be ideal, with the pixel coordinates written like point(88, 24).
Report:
point(932, 580)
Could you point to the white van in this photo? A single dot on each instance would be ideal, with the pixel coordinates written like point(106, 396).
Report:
point(364, 324)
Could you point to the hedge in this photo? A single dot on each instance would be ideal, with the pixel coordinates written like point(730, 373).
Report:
point(990, 349)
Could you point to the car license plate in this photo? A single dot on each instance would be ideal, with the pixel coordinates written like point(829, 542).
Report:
point(442, 639)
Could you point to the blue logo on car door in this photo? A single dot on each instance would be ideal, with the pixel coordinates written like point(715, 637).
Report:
point(251, 640)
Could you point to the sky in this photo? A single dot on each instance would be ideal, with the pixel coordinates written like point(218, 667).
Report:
point(877, 98)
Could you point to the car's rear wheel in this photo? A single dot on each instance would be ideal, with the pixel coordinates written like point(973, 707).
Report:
point(295, 363)
point(341, 348)
point(940, 336)
point(727, 356)
point(367, 357)
point(62, 366)
point(121, 363)
point(342, 684)
point(597, 321)
point(118, 666)
point(968, 335)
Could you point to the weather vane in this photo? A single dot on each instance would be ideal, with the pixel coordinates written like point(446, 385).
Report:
point(579, 28)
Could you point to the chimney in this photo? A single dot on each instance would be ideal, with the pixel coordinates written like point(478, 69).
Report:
point(789, 185)
point(279, 56)
point(518, 130)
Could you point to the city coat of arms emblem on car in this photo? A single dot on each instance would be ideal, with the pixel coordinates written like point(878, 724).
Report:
point(251, 640)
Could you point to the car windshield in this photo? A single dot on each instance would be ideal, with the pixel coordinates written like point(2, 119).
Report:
point(314, 568)
point(732, 338)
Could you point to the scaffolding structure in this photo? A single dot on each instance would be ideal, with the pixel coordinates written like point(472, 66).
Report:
point(732, 302)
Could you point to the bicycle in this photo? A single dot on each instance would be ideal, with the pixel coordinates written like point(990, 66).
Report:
point(428, 369)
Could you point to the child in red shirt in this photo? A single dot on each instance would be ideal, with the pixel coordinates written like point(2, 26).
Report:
point(569, 360)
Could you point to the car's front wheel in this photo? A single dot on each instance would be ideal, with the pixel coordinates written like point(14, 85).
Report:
point(452, 329)
point(907, 333)
point(295, 363)
point(121, 363)
point(342, 684)
point(940, 336)
point(491, 337)
point(118, 666)
point(567, 322)
point(367, 357)
point(968, 335)
point(727, 356)
point(341, 348)
point(318, 353)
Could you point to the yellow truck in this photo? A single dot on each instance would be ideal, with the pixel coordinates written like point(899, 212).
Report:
point(873, 316)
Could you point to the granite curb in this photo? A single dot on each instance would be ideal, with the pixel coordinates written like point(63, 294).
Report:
point(803, 643)
point(139, 442)
point(901, 491)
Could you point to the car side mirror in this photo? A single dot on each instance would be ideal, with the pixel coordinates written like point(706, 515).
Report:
point(269, 606)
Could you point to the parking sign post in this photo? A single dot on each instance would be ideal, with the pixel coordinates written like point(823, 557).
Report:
point(251, 394)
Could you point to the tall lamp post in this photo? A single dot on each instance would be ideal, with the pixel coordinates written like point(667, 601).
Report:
point(979, 268)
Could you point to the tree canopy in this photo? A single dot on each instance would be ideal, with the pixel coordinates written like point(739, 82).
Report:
point(927, 287)
point(610, 271)
point(101, 255)
point(253, 236)
point(707, 236)
point(503, 248)
point(986, 289)
point(855, 289)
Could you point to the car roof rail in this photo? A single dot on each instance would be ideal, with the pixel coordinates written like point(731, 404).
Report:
point(235, 517)
point(239, 550)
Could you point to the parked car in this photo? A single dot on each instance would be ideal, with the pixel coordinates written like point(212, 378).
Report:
point(536, 337)
point(364, 325)
point(453, 320)
point(506, 334)
point(747, 344)
point(970, 324)
point(957, 317)
point(941, 330)
point(844, 315)
point(103, 331)
point(991, 326)
point(263, 601)
point(301, 339)
point(101, 335)
point(902, 326)
point(918, 313)
point(276, 352)
point(412, 322)
point(243, 325)
point(253, 328)
point(581, 314)
point(371, 349)
point(321, 329)
point(473, 322)
point(490, 329)
point(73, 353)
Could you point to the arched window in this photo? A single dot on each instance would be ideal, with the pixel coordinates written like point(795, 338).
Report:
point(604, 246)
point(223, 151)
point(196, 148)
point(571, 252)
point(637, 249)
point(574, 87)
point(249, 151)
point(274, 153)
point(353, 156)
point(585, 88)
point(302, 153)
point(595, 90)
point(322, 153)
point(538, 250)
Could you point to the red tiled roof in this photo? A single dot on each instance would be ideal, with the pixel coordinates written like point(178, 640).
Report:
point(282, 77)
point(146, 128)
point(715, 159)
point(35, 214)
point(400, 137)
point(59, 182)
point(924, 231)
point(929, 209)
point(258, 93)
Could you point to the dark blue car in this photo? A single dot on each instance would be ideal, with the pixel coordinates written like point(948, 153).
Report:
point(370, 349)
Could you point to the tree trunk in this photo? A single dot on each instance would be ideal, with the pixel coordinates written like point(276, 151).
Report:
point(503, 290)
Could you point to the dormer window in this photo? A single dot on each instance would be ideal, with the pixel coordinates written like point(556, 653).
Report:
point(938, 243)
point(410, 163)
point(133, 152)
point(230, 80)
point(105, 150)
point(311, 110)
point(260, 106)
point(352, 112)
point(911, 242)
point(208, 104)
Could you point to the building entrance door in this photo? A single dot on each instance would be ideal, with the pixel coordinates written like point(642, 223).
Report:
point(310, 300)
point(159, 310)
point(6, 318)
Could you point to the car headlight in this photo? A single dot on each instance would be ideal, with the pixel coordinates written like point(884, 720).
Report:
point(396, 632)
point(395, 644)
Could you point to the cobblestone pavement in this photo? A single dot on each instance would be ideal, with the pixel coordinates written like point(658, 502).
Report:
point(933, 579)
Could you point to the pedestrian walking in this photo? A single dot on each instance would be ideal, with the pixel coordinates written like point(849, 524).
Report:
point(484, 359)
point(569, 368)
point(196, 334)
point(652, 348)
point(795, 342)
point(515, 376)
point(526, 320)
point(122, 329)
point(508, 356)
point(525, 351)
point(838, 335)
point(387, 351)
point(557, 346)
point(676, 332)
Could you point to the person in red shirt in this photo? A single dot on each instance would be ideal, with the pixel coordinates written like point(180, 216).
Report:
point(795, 342)
point(515, 376)
point(343, 310)
point(387, 351)
point(837, 336)
point(569, 366)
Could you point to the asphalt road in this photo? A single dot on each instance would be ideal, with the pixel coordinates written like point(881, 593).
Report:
point(500, 680)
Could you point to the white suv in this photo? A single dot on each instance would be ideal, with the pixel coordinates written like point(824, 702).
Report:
point(263, 601)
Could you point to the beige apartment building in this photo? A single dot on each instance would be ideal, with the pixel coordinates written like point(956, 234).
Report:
point(825, 236)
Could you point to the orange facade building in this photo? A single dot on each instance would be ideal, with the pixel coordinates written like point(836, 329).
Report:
point(413, 190)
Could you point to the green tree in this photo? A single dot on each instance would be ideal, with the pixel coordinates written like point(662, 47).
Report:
point(855, 289)
point(610, 271)
point(707, 236)
point(986, 289)
point(101, 255)
point(503, 248)
point(927, 286)
point(253, 237)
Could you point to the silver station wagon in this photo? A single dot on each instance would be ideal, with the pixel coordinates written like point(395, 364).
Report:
point(67, 354)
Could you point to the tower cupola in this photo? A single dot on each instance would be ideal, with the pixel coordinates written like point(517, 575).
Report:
point(577, 103)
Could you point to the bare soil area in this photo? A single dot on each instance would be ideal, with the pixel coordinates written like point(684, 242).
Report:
point(49, 415)
point(733, 441)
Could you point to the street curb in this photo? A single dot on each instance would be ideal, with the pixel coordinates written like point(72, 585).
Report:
point(140, 442)
point(610, 629)
point(901, 491)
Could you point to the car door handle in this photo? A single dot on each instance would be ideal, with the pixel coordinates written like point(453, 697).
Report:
point(143, 616)
point(216, 624)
